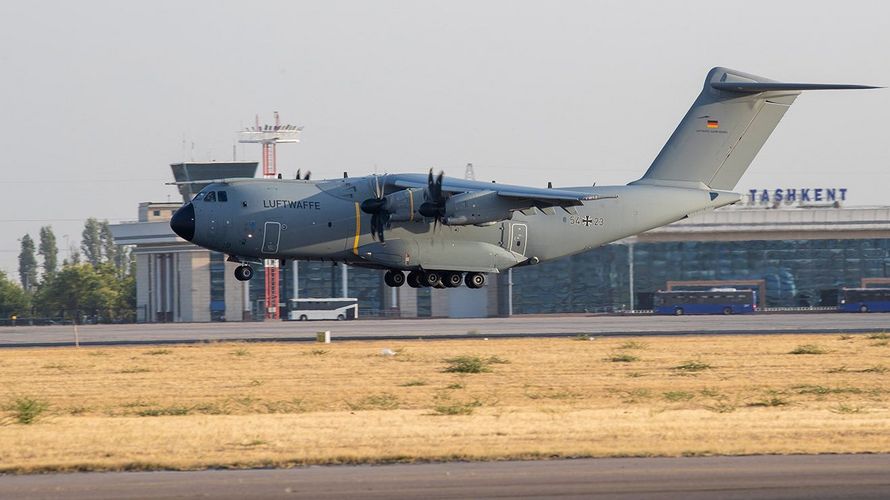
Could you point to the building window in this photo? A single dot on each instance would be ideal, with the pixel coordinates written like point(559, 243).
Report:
point(217, 287)
point(156, 213)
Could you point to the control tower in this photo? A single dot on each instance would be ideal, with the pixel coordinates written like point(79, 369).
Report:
point(270, 136)
point(188, 172)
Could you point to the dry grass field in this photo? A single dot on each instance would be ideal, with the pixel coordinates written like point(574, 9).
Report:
point(244, 405)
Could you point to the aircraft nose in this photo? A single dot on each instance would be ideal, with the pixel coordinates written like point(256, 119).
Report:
point(183, 222)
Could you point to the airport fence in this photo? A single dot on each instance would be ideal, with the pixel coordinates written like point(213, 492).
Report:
point(69, 317)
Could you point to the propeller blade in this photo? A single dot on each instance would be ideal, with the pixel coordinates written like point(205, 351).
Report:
point(374, 226)
point(381, 223)
point(439, 180)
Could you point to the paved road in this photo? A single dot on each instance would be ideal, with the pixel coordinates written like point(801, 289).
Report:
point(751, 477)
point(517, 326)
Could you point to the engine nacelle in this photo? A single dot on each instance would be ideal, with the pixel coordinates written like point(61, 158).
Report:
point(403, 205)
point(477, 207)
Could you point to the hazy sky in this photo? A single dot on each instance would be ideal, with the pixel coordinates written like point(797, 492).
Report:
point(98, 98)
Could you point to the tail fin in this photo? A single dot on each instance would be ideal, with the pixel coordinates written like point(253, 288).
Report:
point(724, 129)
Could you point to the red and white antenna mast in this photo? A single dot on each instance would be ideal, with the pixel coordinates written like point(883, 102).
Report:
point(269, 136)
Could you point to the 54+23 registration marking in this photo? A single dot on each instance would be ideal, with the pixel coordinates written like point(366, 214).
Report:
point(587, 220)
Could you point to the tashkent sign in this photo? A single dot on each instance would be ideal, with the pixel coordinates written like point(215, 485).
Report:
point(790, 196)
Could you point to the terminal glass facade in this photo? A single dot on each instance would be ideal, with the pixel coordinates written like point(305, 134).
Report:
point(217, 287)
point(320, 280)
point(797, 272)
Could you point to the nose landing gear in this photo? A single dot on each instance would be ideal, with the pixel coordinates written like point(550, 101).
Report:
point(243, 273)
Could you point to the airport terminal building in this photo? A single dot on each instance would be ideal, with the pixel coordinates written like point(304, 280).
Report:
point(797, 249)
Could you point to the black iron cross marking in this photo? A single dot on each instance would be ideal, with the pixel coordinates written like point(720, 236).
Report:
point(587, 221)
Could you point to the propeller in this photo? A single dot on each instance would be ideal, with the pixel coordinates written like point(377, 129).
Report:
point(435, 205)
point(376, 208)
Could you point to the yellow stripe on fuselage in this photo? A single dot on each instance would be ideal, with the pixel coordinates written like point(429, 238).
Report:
point(358, 229)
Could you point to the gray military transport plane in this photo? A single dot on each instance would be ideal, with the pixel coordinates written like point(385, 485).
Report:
point(444, 231)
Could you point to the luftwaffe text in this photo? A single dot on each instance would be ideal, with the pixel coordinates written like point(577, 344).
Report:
point(300, 204)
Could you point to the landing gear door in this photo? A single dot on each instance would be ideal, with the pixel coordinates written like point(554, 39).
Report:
point(271, 237)
point(518, 238)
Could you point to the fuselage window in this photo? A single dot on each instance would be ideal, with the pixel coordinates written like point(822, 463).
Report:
point(222, 196)
point(211, 196)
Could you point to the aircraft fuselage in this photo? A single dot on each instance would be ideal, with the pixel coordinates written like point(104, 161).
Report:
point(321, 220)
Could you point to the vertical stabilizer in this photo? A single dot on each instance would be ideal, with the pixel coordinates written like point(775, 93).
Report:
point(724, 130)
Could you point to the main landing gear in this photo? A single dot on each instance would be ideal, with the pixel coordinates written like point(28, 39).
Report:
point(243, 273)
point(434, 279)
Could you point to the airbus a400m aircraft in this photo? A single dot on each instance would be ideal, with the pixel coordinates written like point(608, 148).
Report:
point(444, 231)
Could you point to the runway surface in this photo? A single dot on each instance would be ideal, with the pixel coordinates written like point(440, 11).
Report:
point(776, 477)
point(516, 326)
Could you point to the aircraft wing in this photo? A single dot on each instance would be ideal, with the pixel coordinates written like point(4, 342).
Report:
point(523, 196)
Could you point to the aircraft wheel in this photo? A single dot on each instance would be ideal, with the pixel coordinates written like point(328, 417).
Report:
point(394, 278)
point(863, 308)
point(414, 279)
point(452, 280)
point(475, 280)
point(431, 278)
point(678, 311)
point(243, 273)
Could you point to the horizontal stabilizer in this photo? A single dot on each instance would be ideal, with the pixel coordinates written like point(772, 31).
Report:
point(751, 87)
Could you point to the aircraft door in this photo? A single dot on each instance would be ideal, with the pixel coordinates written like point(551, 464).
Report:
point(271, 237)
point(518, 238)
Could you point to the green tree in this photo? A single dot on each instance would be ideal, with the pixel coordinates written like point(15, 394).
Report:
point(110, 251)
point(79, 289)
point(91, 241)
point(27, 264)
point(73, 256)
point(14, 301)
point(117, 255)
point(49, 251)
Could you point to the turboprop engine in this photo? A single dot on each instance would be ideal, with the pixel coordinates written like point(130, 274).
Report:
point(404, 205)
point(476, 207)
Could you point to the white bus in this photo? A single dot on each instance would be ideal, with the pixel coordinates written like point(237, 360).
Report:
point(327, 308)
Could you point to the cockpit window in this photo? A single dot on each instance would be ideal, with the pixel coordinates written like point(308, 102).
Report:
point(222, 196)
point(211, 196)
